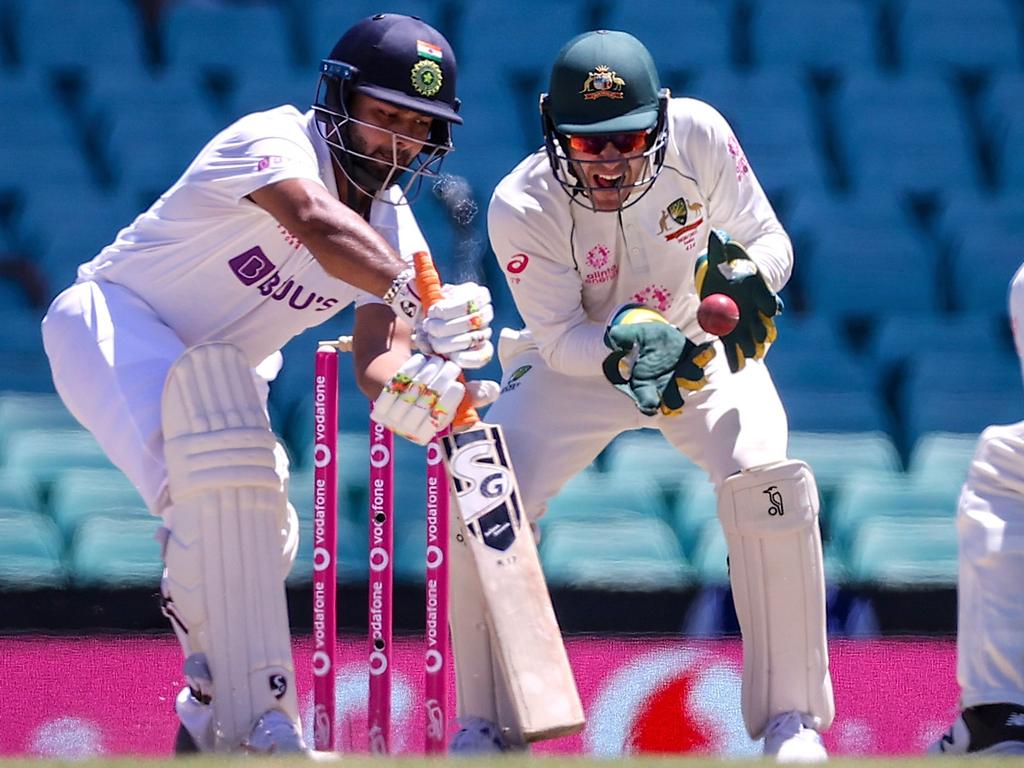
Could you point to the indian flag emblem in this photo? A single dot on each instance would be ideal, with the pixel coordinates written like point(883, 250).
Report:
point(428, 50)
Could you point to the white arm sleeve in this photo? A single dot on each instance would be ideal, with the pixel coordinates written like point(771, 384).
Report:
point(547, 289)
point(737, 203)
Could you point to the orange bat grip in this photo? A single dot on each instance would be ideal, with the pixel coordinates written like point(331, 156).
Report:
point(429, 283)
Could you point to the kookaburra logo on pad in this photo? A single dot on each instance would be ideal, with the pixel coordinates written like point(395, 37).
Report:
point(775, 506)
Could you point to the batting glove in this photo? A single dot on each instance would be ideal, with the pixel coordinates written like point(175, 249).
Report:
point(421, 398)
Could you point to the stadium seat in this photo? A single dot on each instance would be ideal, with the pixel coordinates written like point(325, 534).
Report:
point(778, 47)
point(871, 497)
point(505, 37)
point(904, 134)
point(829, 368)
point(643, 556)
point(26, 372)
point(710, 555)
point(706, 24)
point(30, 551)
point(860, 269)
point(1006, 119)
point(18, 491)
point(101, 37)
point(112, 552)
point(43, 455)
point(941, 456)
point(939, 37)
point(646, 453)
point(592, 496)
point(962, 392)
point(40, 135)
point(225, 35)
point(836, 456)
point(981, 290)
point(28, 411)
point(79, 494)
point(851, 410)
point(323, 22)
point(771, 115)
point(694, 509)
point(898, 338)
point(905, 553)
point(269, 89)
point(21, 335)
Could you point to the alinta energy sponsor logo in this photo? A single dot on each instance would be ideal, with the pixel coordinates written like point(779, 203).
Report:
point(597, 259)
point(670, 701)
point(252, 267)
point(742, 166)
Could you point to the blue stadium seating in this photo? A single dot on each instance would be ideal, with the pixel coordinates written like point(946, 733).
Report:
point(773, 120)
point(101, 37)
point(30, 551)
point(705, 24)
point(114, 552)
point(226, 36)
point(940, 36)
point(776, 47)
point(904, 133)
point(939, 456)
point(907, 553)
point(322, 22)
point(1006, 117)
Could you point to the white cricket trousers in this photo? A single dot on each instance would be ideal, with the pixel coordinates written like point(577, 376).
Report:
point(110, 354)
point(990, 524)
point(556, 425)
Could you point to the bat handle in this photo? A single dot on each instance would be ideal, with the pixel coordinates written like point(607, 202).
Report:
point(429, 283)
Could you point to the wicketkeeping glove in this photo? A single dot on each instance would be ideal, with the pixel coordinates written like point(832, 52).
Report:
point(689, 375)
point(727, 268)
point(646, 353)
point(421, 398)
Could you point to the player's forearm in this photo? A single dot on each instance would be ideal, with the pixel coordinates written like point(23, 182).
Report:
point(578, 351)
point(773, 254)
point(346, 246)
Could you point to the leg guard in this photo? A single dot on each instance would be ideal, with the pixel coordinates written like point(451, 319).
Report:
point(225, 542)
point(770, 518)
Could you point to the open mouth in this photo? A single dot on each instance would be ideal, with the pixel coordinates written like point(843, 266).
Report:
point(603, 181)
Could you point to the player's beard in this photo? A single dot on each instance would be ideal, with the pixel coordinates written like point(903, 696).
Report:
point(370, 175)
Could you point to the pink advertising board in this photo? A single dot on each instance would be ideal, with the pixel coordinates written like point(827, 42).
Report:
point(74, 697)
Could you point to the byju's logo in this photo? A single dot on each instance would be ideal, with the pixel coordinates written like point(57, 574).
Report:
point(251, 266)
point(775, 506)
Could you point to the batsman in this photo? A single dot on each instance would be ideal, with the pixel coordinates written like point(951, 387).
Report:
point(165, 344)
point(637, 207)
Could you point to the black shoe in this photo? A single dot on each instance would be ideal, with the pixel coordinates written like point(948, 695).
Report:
point(990, 728)
point(184, 744)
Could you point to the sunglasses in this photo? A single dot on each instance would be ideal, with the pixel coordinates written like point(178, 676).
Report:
point(594, 144)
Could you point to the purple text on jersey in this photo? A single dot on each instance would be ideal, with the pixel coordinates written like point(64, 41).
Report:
point(253, 266)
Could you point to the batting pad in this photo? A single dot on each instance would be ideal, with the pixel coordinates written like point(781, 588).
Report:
point(770, 518)
point(224, 548)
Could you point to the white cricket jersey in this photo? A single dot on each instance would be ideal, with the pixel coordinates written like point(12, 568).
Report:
point(569, 267)
point(214, 265)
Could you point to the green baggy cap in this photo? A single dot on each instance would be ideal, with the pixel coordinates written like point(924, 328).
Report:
point(603, 82)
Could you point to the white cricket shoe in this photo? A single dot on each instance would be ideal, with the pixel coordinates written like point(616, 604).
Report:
point(275, 733)
point(477, 736)
point(791, 741)
point(991, 729)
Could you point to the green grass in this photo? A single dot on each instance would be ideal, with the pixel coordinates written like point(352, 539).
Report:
point(519, 761)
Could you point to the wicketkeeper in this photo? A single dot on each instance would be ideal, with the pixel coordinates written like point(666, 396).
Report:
point(164, 345)
point(609, 236)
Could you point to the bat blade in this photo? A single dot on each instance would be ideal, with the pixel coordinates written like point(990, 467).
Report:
point(524, 631)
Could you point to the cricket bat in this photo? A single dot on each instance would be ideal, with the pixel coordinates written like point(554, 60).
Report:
point(525, 637)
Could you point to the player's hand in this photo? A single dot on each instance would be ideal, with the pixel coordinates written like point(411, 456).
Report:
point(689, 376)
point(421, 398)
point(458, 326)
point(727, 268)
point(645, 351)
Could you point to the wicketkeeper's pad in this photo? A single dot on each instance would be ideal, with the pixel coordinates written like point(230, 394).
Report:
point(770, 518)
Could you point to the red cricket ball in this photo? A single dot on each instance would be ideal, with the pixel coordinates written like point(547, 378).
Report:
point(718, 314)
